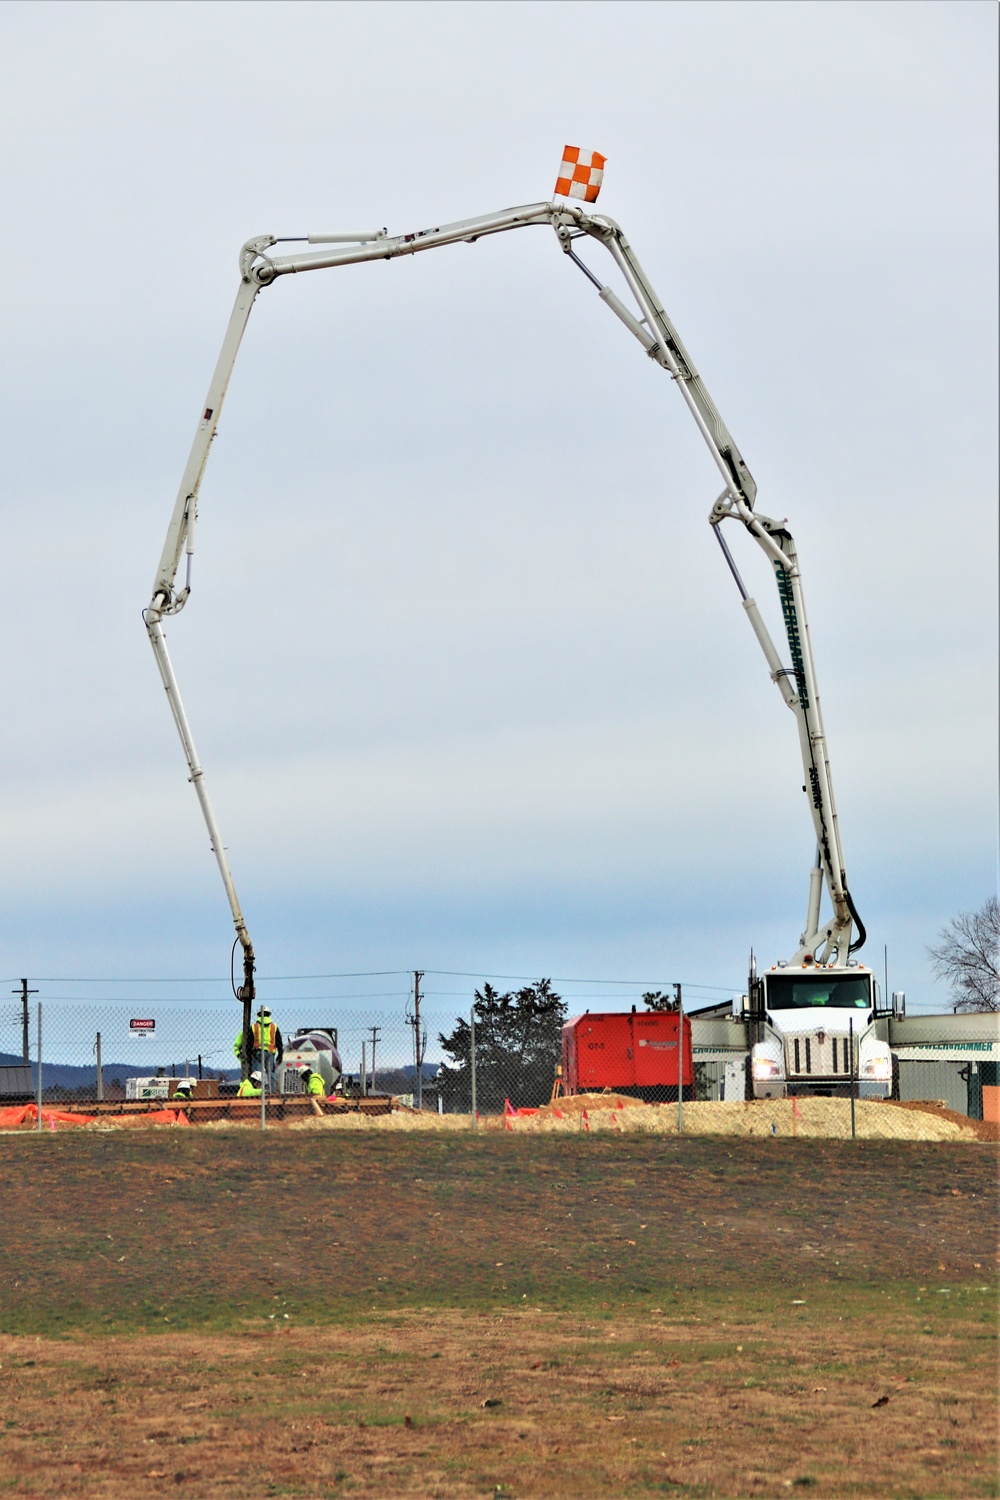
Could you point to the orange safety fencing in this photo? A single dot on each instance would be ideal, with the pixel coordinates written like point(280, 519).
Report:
point(510, 1113)
point(24, 1114)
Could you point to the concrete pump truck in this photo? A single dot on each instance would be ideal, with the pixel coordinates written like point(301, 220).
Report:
point(813, 1019)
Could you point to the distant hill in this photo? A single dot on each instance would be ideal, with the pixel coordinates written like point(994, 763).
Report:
point(400, 1080)
point(68, 1076)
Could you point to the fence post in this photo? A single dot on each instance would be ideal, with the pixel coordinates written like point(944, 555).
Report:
point(364, 1071)
point(39, 1065)
point(375, 1037)
point(100, 1072)
point(850, 1033)
point(680, 1059)
point(263, 1080)
point(472, 1064)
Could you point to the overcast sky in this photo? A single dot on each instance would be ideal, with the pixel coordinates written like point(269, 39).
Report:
point(470, 680)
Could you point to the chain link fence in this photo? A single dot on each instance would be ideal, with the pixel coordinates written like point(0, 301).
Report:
point(504, 1052)
point(966, 1084)
point(92, 1052)
point(964, 1081)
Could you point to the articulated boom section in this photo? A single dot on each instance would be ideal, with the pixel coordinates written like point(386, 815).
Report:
point(650, 325)
point(831, 942)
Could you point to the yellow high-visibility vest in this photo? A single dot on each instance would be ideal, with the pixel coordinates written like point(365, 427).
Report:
point(270, 1036)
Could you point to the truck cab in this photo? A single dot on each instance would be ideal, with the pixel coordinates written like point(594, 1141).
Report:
point(815, 1030)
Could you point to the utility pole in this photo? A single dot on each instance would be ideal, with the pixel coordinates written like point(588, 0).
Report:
point(376, 1032)
point(24, 992)
point(418, 974)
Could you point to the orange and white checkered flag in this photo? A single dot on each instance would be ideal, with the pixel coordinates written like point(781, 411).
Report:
point(581, 174)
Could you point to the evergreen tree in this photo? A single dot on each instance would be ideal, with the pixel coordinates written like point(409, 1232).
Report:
point(659, 1000)
point(518, 1044)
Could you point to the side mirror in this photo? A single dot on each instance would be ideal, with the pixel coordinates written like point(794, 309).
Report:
point(898, 1005)
point(739, 1007)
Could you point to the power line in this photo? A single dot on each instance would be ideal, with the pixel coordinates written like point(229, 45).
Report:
point(564, 979)
point(217, 979)
point(215, 999)
point(362, 974)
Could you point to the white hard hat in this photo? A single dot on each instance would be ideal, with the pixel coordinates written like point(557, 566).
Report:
point(255, 1077)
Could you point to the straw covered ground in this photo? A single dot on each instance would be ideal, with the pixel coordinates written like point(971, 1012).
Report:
point(825, 1119)
point(820, 1119)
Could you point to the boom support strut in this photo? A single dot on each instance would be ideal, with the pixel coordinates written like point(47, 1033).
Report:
point(652, 327)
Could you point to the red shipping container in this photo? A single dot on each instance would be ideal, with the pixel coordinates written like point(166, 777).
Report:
point(628, 1052)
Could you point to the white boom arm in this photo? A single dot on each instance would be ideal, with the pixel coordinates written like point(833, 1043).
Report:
point(654, 330)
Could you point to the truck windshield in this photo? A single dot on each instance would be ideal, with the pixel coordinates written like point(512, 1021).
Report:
point(796, 992)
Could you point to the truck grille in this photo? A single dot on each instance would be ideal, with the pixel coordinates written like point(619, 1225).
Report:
point(819, 1055)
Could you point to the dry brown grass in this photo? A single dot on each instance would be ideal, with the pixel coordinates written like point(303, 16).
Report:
point(224, 1312)
point(521, 1404)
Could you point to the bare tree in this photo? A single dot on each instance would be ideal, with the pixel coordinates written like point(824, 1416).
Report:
point(968, 957)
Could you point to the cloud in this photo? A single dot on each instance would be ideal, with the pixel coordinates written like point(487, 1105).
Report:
point(460, 641)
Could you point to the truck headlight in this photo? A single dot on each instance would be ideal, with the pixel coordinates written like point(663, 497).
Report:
point(878, 1067)
point(765, 1067)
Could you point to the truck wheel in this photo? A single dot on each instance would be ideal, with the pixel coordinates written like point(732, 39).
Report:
point(894, 1091)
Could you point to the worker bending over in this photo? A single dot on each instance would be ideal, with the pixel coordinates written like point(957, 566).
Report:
point(250, 1088)
point(312, 1082)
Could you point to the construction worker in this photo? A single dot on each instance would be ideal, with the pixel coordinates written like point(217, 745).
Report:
point(250, 1088)
point(185, 1089)
point(268, 1047)
point(273, 1048)
point(312, 1082)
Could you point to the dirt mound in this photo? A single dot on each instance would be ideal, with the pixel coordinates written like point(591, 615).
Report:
point(822, 1118)
point(826, 1119)
point(578, 1104)
point(986, 1130)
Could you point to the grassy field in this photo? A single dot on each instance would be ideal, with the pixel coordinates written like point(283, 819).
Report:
point(326, 1314)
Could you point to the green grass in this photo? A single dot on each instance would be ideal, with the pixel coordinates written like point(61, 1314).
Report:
point(193, 1230)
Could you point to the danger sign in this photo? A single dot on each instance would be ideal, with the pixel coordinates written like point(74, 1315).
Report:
point(142, 1025)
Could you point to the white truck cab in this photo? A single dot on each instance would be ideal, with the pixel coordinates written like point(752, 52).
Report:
point(816, 1032)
